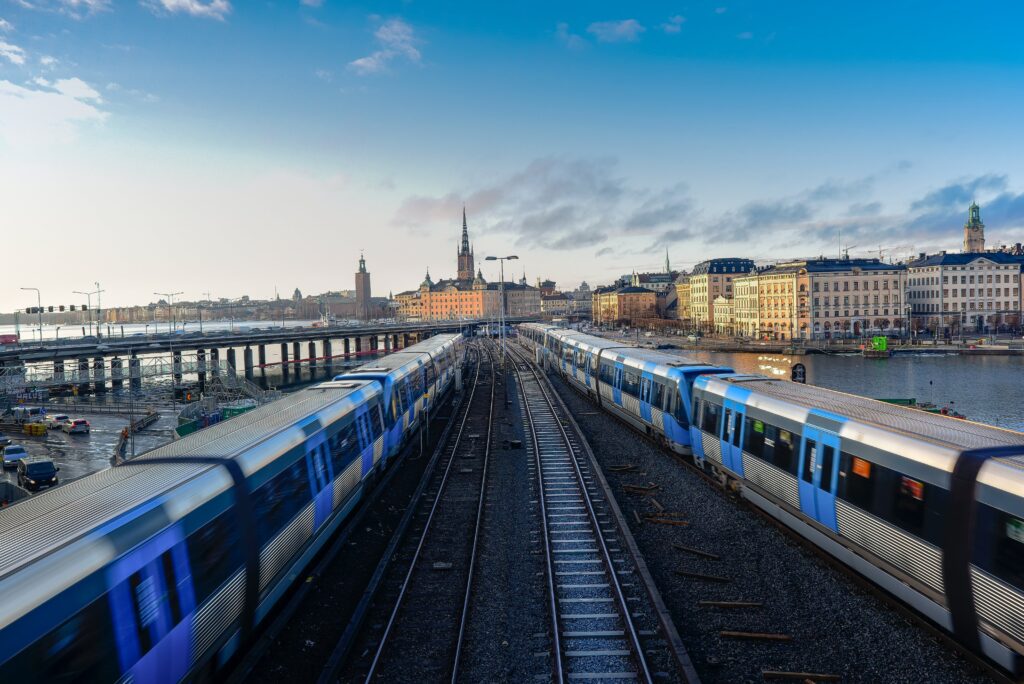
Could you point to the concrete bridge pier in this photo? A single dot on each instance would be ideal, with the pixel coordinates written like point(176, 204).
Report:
point(201, 368)
point(285, 368)
point(215, 361)
point(134, 372)
point(261, 352)
point(116, 374)
point(328, 358)
point(83, 376)
point(247, 359)
point(387, 344)
point(406, 340)
point(297, 355)
point(374, 342)
point(231, 367)
point(394, 342)
point(346, 349)
point(58, 371)
point(99, 374)
point(312, 358)
point(359, 346)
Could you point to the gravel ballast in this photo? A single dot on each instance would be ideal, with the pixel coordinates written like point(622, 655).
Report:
point(833, 625)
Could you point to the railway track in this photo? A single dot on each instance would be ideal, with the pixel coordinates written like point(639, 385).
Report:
point(607, 618)
point(415, 628)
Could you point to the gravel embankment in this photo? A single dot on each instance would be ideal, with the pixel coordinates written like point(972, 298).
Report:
point(835, 627)
point(508, 623)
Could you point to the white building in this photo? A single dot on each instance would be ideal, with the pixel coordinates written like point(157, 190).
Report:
point(978, 291)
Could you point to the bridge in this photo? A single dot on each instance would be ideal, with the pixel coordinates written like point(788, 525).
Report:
point(98, 364)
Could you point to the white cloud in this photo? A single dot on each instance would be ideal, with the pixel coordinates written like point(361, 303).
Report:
point(76, 9)
point(47, 112)
point(396, 39)
point(5, 25)
point(12, 53)
point(625, 30)
point(674, 24)
point(48, 61)
point(208, 9)
point(570, 39)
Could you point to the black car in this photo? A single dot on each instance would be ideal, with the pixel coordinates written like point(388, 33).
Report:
point(37, 473)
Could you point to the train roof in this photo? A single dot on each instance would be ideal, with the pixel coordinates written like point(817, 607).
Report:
point(633, 353)
point(47, 521)
point(951, 432)
point(432, 344)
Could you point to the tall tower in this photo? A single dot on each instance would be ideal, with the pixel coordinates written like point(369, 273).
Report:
point(974, 230)
point(362, 290)
point(466, 270)
point(668, 267)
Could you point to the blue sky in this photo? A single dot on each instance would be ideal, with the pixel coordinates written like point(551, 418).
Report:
point(232, 147)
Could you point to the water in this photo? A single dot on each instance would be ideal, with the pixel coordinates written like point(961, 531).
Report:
point(987, 389)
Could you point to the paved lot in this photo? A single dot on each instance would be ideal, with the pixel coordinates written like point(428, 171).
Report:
point(81, 455)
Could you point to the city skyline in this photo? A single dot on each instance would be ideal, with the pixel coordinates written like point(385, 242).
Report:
point(230, 148)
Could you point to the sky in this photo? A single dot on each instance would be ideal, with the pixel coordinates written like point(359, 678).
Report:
point(250, 147)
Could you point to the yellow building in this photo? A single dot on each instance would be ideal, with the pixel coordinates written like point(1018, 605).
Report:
point(624, 306)
point(683, 311)
point(747, 321)
point(725, 322)
point(711, 279)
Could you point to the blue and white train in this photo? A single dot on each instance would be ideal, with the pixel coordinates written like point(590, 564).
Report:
point(160, 569)
point(928, 507)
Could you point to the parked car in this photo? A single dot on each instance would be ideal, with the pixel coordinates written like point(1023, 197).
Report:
point(12, 455)
point(76, 426)
point(56, 421)
point(35, 473)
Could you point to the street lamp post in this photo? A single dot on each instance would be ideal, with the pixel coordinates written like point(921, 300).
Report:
point(170, 306)
point(88, 304)
point(501, 296)
point(39, 310)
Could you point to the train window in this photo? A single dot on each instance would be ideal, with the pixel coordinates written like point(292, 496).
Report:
point(810, 459)
point(631, 383)
point(828, 455)
point(908, 511)
point(645, 389)
point(1006, 535)
point(753, 437)
point(213, 555)
point(280, 498)
point(345, 446)
point(431, 375)
point(658, 395)
point(78, 650)
point(696, 407)
point(778, 448)
point(378, 423)
point(144, 602)
point(606, 372)
point(709, 422)
point(857, 483)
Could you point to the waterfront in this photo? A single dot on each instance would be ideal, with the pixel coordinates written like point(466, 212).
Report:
point(987, 389)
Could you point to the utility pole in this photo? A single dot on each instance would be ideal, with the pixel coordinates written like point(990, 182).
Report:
point(88, 304)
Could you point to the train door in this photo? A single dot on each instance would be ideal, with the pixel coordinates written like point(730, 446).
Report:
point(818, 473)
point(365, 436)
point(732, 436)
point(152, 603)
point(646, 386)
point(588, 360)
point(617, 383)
point(320, 471)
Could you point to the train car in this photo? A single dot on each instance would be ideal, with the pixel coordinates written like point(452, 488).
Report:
point(930, 508)
point(406, 379)
point(649, 389)
point(157, 570)
point(161, 568)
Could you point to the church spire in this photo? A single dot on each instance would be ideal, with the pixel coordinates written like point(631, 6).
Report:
point(668, 268)
point(465, 233)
